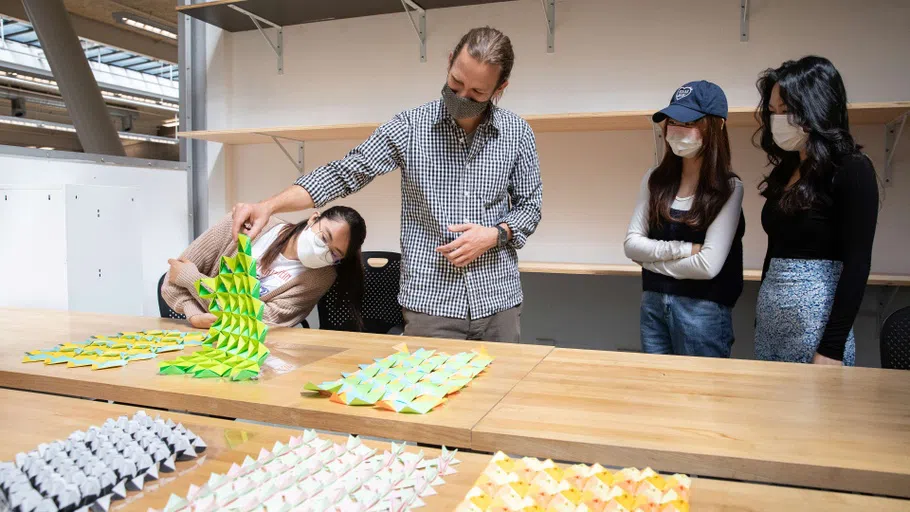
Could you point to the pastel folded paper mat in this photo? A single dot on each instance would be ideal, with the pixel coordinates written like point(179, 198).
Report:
point(236, 345)
point(89, 469)
point(314, 474)
point(532, 485)
point(406, 382)
point(102, 352)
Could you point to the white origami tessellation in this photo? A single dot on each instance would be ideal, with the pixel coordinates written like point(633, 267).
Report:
point(311, 474)
point(90, 468)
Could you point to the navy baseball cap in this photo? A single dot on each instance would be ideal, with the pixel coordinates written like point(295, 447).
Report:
point(694, 101)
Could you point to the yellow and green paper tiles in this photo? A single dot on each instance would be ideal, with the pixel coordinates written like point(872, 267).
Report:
point(406, 382)
point(101, 352)
point(236, 345)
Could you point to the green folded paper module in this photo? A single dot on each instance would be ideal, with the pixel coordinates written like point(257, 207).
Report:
point(235, 348)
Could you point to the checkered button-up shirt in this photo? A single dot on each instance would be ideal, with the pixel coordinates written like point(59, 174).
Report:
point(445, 182)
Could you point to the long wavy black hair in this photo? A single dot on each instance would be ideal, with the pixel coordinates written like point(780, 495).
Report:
point(816, 100)
point(349, 270)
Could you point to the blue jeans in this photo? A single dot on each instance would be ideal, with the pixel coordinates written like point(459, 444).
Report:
point(671, 324)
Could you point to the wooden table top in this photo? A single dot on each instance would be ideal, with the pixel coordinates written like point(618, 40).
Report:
point(814, 426)
point(43, 418)
point(297, 356)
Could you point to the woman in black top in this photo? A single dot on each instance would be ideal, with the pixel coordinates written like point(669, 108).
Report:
point(820, 214)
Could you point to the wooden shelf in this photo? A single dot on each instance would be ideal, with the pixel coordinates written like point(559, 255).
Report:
point(860, 113)
point(295, 12)
point(602, 269)
point(591, 269)
point(298, 133)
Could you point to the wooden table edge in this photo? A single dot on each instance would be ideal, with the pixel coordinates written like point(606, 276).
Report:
point(454, 437)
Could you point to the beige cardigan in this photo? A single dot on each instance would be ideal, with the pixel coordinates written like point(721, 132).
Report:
point(285, 306)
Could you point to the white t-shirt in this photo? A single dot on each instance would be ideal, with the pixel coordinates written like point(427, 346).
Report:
point(282, 269)
point(674, 258)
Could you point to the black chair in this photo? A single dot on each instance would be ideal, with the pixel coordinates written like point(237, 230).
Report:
point(163, 309)
point(895, 340)
point(381, 312)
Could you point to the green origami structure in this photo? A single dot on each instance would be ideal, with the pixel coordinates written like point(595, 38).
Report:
point(406, 382)
point(235, 347)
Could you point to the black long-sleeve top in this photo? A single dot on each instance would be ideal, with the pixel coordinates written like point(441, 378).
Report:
point(840, 227)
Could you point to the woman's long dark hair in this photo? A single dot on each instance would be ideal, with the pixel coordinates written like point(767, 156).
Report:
point(349, 283)
point(816, 100)
point(714, 180)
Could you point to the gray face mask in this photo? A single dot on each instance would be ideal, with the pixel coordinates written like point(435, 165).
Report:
point(462, 108)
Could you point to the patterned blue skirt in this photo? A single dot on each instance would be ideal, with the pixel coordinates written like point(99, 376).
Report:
point(794, 303)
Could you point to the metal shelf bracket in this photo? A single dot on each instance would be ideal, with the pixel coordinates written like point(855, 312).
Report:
point(893, 132)
point(420, 26)
point(549, 10)
point(278, 46)
point(744, 20)
point(659, 145)
point(296, 162)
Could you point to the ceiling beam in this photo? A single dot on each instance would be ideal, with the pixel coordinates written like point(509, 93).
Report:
point(74, 76)
point(105, 33)
point(24, 136)
point(118, 59)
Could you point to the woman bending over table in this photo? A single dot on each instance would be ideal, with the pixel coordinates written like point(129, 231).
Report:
point(297, 265)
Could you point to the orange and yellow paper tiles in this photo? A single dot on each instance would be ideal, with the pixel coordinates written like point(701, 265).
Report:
point(532, 485)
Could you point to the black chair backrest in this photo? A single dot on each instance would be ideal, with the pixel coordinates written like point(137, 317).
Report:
point(163, 309)
point(381, 312)
point(895, 340)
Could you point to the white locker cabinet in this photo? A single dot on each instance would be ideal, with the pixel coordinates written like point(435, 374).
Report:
point(75, 247)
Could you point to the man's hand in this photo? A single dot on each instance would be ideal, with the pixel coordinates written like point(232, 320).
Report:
point(250, 218)
point(474, 241)
point(820, 359)
point(203, 321)
point(177, 266)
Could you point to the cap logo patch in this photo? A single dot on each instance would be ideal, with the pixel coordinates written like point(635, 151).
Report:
point(682, 92)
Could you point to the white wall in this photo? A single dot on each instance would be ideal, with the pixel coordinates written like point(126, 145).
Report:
point(218, 113)
point(610, 55)
point(161, 195)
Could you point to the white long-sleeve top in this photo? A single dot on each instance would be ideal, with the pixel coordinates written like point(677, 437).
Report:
point(674, 258)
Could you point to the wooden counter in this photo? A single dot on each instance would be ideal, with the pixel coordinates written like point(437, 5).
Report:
point(297, 356)
point(814, 426)
point(43, 418)
point(825, 427)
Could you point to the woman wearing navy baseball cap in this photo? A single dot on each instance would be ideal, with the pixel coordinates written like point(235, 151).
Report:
point(687, 228)
point(820, 213)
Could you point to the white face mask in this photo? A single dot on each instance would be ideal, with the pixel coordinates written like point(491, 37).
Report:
point(684, 142)
point(312, 251)
point(787, 136)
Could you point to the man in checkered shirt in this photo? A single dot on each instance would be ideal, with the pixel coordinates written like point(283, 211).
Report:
point(471, 196)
